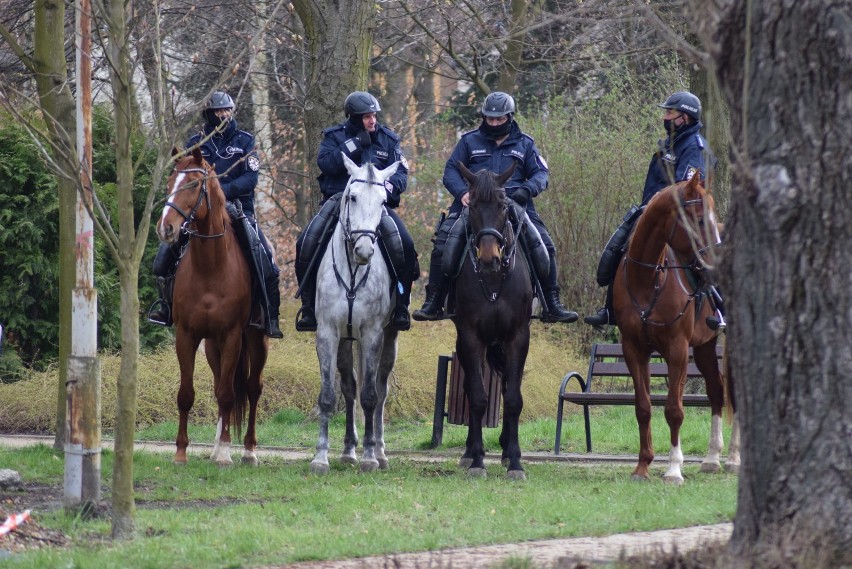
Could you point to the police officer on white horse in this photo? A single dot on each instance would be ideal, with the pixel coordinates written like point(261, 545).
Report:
point(233, 156)
point(363, 139)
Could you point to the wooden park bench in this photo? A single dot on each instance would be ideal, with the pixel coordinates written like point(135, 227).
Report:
point(607, 361)
point(452, 403)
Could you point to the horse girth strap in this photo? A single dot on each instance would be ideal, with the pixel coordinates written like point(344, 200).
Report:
point(645, 313)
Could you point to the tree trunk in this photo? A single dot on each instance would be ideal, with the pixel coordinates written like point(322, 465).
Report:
point(339, 37)
point(55, 96)
point(784, 71)
point(514, 48)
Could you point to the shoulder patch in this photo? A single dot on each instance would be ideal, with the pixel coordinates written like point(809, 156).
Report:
point(542, 163)
point(699, 140)
point(403, 161)
point(253, 163)
point(690, 172)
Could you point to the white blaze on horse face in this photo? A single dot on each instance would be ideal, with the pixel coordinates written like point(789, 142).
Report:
point(715, 228)
point(161, 226)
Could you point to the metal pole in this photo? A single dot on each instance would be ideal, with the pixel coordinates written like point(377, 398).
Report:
point(83, 405)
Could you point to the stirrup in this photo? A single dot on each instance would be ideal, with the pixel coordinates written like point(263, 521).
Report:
point(160, 313)
point(716, 323)
point(303, 325)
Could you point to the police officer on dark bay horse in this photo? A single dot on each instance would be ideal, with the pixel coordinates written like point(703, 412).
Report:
point(362, 139)
point(495, 145)
point(682, 154)
point(233, 156)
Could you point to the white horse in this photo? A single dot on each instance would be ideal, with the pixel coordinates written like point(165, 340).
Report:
point(354, 303)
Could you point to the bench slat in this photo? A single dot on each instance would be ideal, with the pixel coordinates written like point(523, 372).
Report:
point(585, 398)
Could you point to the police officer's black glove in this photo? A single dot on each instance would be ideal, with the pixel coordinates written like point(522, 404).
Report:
point(364, 139)
point(521, 196)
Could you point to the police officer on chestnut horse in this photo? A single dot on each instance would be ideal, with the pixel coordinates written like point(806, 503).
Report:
point(232, 154)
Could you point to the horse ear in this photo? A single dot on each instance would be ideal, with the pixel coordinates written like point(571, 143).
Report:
point(351, 166)
point(468, 175)
point(507, 173)
point(196, 155)
point(390, 170)
point(176, 151)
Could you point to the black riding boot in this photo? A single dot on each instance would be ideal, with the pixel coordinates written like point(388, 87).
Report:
point(433, 307)
point(605, 316)
point(717, 321)
point(161, 311)
point(273, 306)
point(306, 319)
point(401, 318)
point(556, 310)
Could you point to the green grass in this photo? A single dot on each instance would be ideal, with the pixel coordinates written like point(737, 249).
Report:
point(614, 431)
point(202, 516)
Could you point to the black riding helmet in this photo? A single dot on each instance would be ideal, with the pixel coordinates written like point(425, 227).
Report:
point(360, 103)
point(685, 102)
point(498, 104)
point(218, 100)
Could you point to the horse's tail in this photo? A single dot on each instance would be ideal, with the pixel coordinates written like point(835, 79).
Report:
point(240, 389)
point(728, 386)
point(496, 358)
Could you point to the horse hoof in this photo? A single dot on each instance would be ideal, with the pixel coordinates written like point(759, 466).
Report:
point(674, 480)
point(639, 477)
point(477, 473)
point(179, 462)
point(516, 475)
point(369, 465)
point(732, 468)
point(320, 468)
point(465, 462)
point(347, 459)
point(250, 460)
point(224, 463)
point(710, 467)
point(383, 464)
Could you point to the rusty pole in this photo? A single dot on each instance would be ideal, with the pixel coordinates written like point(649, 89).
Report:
point(83, 405)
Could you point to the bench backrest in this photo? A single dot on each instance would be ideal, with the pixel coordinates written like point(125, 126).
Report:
point(607, 360)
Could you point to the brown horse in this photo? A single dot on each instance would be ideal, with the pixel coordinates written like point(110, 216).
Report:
point(212, 302)
point(493, 296)
point(657, 307)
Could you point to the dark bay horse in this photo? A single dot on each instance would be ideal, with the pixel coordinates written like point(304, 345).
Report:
point(354, 303)
point(493, 295)
point(657, 308)
point(212, 302)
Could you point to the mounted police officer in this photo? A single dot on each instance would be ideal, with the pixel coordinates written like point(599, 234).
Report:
point(682, 154)
point(364, 140)
point(495, 145)
point(233, 156)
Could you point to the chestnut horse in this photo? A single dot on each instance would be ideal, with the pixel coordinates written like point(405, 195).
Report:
point(212, 302)
point(658, 306)
point(355, 301)
point(493, 299)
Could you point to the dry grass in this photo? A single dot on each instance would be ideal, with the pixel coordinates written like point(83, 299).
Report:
point(292, 379)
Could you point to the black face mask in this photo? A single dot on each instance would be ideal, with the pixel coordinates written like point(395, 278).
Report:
point(495, 132)
point(670, 127)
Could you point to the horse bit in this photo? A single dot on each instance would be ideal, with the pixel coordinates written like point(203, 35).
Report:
point(188, 219)
point(506, 258)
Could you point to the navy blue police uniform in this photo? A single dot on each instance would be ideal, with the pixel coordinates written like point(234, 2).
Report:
point(677, 159)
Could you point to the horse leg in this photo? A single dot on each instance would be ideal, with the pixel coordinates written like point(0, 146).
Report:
point(708, 364)
point(185, 347)
point(258, 350)
point(513, 404)
point(371, 349)
point(388, 360)
point(471, 356)
point(733, 462)
point(677, 360)
point(214, 357)
point(225, 393)
point(348, 386)
point(327, 343)
point(637, 362)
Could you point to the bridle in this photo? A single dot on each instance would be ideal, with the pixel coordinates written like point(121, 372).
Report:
point(507, 256)
point(350, 237)
point(695, 265)
point(203, 196)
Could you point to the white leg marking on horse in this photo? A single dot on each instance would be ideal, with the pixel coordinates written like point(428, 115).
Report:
point(249, 457)
point(224, 457)
point(214, 455)
point(711, 462)
point(673, 474)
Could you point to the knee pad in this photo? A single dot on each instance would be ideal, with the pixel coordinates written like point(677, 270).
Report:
point(455, 229)
point(533, 244)
point(391, 243)
point(615, 247)
point(316, 230)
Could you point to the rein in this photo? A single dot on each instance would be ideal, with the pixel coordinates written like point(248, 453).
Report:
point(203, 196)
